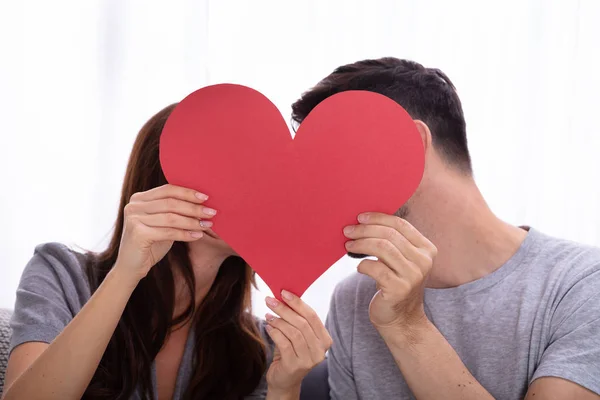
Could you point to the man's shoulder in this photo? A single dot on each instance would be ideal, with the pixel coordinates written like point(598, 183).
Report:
point(568, 261)
point(349, 309)
point(356, 289)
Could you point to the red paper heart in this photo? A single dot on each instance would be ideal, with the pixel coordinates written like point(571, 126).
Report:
point(283, 202)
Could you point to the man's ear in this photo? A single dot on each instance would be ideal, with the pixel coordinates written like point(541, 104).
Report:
point(425, 134)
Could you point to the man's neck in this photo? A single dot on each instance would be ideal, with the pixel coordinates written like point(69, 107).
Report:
point(472, 242)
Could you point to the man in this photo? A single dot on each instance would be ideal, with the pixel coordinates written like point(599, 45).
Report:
point(459, 305)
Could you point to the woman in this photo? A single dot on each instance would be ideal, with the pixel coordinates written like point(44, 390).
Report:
point(163, 313)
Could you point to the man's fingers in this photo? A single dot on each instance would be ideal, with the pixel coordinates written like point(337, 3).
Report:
point(399, 224)
point(383, 249)
point(382, 275)
point(386, 233)
point(166, 191)
point(388, 281)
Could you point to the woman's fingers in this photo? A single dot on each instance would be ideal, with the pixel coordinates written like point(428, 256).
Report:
point(306, 312)
point(172, 220)
point(282, 343)
point(154, 235)
point(170, 191)
point(292, 317)
point(317, 346)
point(295, 337)
point(171, 205)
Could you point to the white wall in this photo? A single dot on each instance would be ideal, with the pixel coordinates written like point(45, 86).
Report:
point(79, 78)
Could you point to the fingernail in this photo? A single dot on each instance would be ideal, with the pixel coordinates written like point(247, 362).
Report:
point(348, 230)
point(269, 317)
point(287, 295)
point(271, 302)
point(209, 211)
point(349, 244)
point(201, 196)
point(363, 218)
point(197, 235)
point(206, 224)
point(269, 328)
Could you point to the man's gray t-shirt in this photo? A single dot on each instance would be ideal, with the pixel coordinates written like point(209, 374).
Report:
point(538, 315)
point(54, 288)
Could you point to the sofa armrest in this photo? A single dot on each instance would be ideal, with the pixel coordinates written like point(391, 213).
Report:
point(5, 333)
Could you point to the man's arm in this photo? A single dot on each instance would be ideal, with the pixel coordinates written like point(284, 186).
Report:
point(429, 364)
point(552, 388)
point(433, 370)
point(570, 365)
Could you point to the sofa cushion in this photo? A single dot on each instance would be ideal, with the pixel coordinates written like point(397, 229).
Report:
point(315, 386)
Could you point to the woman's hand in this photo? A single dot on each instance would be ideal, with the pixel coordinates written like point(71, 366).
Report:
point(154, 220)
point(301, 342)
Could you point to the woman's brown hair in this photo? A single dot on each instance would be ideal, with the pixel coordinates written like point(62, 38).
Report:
point(229, 355)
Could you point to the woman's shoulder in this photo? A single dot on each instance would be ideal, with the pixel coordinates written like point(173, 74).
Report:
point(60, 254)
point(56, 273)
point(57, 262)
point(52, 290)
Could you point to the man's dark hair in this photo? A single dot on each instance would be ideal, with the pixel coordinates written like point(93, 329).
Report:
point(426, 94)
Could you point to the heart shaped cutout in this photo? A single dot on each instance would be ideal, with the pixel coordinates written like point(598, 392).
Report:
point(282, 203)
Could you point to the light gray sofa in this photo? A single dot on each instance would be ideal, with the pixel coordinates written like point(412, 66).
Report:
point(4, 343)
point(314, 387)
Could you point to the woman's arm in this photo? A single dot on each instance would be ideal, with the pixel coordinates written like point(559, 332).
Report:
point(64, 369)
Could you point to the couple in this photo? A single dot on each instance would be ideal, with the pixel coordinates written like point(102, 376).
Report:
point(459, 305)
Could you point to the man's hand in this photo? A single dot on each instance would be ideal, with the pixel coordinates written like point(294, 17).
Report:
point(430, 366)
point(405, 258)
point(428, 363)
